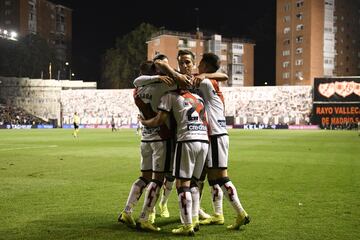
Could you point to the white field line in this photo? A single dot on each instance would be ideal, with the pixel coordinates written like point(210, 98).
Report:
point(29, 147)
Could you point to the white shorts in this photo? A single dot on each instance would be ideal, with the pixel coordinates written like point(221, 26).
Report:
point(189, 159)
point(218, 152)
point(157, 156)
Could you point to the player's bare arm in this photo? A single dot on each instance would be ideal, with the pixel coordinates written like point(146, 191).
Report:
point(181, 79)
point(218, 76)
point(149, 79)
point(156, 121)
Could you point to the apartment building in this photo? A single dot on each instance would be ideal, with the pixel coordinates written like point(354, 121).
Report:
point(316, 38)
point(236, 55)
point(52, 22)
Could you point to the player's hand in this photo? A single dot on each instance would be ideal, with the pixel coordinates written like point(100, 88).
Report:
point(197, 79)
point(184, 81)
point(167, 80)
point(140, 118)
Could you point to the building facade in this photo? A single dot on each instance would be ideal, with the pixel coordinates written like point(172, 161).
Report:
point(50, 21)
point(316, 38)
point(236, 55)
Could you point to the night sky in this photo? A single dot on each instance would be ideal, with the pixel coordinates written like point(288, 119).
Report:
point(96, 25)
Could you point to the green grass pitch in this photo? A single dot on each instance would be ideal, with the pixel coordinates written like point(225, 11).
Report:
point(294, 184)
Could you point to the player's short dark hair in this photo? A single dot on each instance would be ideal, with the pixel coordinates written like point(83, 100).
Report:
point(160, 56)
point(147, 68)
point(186, 52)
point(212, 61)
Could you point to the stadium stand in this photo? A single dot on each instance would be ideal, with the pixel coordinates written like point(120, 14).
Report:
point(269, 105)
point(51, 99)
point(10, 115)
point(98, 106)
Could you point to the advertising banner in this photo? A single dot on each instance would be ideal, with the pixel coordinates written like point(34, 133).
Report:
point(337, 89)
point(335, 114)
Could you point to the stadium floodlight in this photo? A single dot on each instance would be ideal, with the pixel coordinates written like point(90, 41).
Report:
point(13, 34)
point(4, 33)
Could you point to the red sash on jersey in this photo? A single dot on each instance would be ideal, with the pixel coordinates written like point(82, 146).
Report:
point(198, 106)
point(217, 89)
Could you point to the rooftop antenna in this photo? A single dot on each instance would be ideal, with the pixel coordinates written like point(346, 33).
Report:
point(197, 19)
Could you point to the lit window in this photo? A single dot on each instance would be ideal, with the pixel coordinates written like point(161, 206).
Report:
point(287, 7)
point(286, 75)
point(300, 16)
point(286, 41)
point(286, 52)
point(299, 76)
point(299, 27)
point(287, 19)
point(299, 62)
point(299, 50)
point(299, 39)
point(300, 3)
point(192, 43)
point(286, 30)
point(157, 42)
point(286, 64)
point(330, 3)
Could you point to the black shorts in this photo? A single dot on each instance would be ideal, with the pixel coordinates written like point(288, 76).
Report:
point(76, 126)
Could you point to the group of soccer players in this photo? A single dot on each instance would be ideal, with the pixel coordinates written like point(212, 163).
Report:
point(186, 109)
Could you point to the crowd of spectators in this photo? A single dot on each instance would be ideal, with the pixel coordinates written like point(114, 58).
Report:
point(265, 105)
point(10, 115)
point(269, 105)
point(99, 106)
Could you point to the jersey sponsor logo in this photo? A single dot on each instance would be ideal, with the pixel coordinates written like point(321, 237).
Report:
point(148, 130)
point(196, 127)
point(222, 123)
point(145, 96)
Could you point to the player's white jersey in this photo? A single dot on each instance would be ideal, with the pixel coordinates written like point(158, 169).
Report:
point(214, 105)
point(147, 99)
point(189, 112)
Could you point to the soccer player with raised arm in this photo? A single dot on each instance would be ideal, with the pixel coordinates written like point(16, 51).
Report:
point(156, 157)
point(217, 160)
point(186, 63)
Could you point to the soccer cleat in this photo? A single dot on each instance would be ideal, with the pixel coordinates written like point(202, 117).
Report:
point(127, 219)
point(151, 218)
point(164, 212)
point(147, 226)
point(242, 219)
point(186, 230)
point(216, 219)
point(196, 224)
point(203, 215)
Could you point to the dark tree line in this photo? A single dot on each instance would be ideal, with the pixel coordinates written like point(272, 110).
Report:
point(120, 65)
point(28, 57)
